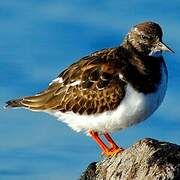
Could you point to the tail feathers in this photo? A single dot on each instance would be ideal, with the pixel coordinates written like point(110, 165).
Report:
point(39, 102)
point(14, 103)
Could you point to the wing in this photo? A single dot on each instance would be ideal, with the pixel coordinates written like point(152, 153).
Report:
point(91, 85)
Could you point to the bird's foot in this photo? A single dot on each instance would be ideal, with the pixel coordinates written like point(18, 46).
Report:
point(112, 152)
point(109, 152)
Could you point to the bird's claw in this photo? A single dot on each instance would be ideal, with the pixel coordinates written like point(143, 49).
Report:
point(112, 152)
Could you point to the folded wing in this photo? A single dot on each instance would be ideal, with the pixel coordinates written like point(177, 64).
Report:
point(91, 85)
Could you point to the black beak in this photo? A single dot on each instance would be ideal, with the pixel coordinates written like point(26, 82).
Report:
point(164, 47)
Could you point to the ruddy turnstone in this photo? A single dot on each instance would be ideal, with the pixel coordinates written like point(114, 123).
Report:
point(110, 89)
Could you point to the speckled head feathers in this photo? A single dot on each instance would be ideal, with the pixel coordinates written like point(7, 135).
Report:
point(150, 29)
point(146, 38)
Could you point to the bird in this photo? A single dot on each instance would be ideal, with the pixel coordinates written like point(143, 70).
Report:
point(108, 90)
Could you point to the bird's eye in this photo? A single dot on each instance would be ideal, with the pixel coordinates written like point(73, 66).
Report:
point(147, 37)
point(144, 37)
point(151, 38)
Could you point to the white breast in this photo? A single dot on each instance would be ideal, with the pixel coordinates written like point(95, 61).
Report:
point(134, 108)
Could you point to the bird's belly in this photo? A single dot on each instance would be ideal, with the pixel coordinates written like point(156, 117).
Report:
point(134, 108)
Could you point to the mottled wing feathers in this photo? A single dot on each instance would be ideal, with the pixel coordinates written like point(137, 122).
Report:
point(91, 85)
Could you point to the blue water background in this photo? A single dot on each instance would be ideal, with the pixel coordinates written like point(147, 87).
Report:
point(38, 39)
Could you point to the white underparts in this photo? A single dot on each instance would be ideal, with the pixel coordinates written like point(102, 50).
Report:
point(134, 108)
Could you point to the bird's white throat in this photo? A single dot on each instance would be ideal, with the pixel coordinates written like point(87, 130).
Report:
point(155, 53)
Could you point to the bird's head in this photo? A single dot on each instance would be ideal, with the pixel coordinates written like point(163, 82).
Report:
point(146, 38)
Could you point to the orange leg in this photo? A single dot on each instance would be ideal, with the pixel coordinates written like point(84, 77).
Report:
point(95, 136)
point(114, 149)
point(111, 142)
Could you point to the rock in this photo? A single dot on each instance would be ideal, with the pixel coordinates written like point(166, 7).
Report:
point(148, 159)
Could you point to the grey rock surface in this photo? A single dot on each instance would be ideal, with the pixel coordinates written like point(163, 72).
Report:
point(148, 159)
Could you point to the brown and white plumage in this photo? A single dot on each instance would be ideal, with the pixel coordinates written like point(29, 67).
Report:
point(108, 89)
point(81, 88)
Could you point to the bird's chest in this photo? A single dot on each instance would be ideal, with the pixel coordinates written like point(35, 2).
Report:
point(134, 108)
point(137, 106)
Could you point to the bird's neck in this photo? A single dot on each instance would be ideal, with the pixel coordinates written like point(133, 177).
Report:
point(144, 70)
